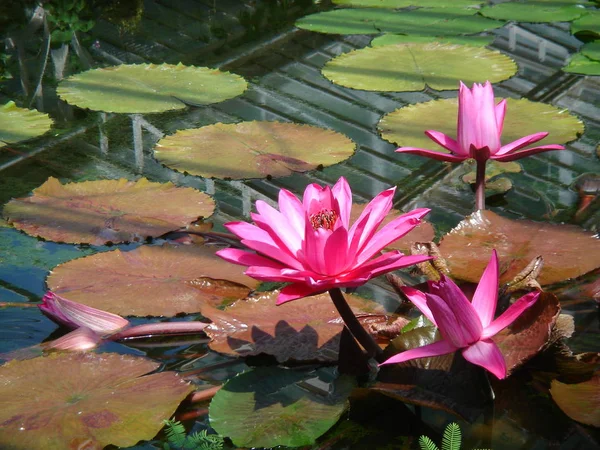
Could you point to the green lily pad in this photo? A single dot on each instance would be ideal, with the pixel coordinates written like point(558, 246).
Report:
point(271, 406)
point(252, 149)
point(410, 67)
point(390, 39)
point(18, 124)
point(524, 12)
point(148, 88)
point(582, 64)
point(492, 170)
point(414, 22)
point(84, 400)
point(591, 50)
point(581, 401)
point(588, 24)
point(406, 3)
point(405, 126)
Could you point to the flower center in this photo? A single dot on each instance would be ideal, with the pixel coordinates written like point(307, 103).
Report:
point(325, 218)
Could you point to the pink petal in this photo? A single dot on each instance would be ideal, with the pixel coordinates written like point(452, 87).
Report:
point(510, 315)
point(520, 143)
point(81, 339)
point(279, 228)
point(245, 230)
point(527, 152)
point(317, 198)
point(485, 297)
point(244, 258)
point(313, 249)
point(385, 263)
point(500, 113)
point(273, 252)
point(292, 208)
point(294, 292)
point(432, 154)
point(263, 273)
point(436, 349)
point(343, 195)
point(486, 354)
point(336, 252)
point(484, 119)
point(467, 111)
point(419, 300)
point(445, 141)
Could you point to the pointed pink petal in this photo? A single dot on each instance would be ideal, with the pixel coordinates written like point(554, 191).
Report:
point(486, 354)
point(385, 263)
point(336, 252)
point(510, 315)
point(343, 195)
point(245, 230)
point(500, 113)
point(420, 301)
point(467, 112)
point(273, 252)
point(520, 143)
point(485, 124)
point(264, 273)
point(361, 231)
point(313, 249)
point(294, 292)
point(279, 227)
point(527, 152)
point(244, 258)
point(432, 154)
point(291, 207)
point(445, 141)
point(485, 297)
point(77, 340)
point(317, 198)
point(436, 349)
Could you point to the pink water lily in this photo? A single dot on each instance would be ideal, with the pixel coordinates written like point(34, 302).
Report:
point(479, 130)
point(464, 325)
point(312, 245)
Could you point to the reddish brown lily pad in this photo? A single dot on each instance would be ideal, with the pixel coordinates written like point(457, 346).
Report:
point(151, 280)
point(304, 330)
point(581, 401)
point(84, 400)
point(568, 250)
point(252, 149)
point(97, 212)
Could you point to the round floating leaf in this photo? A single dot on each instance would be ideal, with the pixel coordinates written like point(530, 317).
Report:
point(18, 124)
point(97, 212)
point(390, 39)
point(147, 88)
point(588, 24)
point(418, 22)
point(406, 3)
point(151, 280)
point(581, 401)
point(568, 250)
point(492, 170)
point(84, 400)
point(305, 330)
point(252, 149)
point(524, 12)
point(405, 126)
point(409, 67)
point(271, 406)
point(582, 64)
point(591, 50)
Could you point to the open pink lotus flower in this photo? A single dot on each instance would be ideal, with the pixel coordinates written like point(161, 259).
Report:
point(479, 129)
point(466, 325)
point(312, 245)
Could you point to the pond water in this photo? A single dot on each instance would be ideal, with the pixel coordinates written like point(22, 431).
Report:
point(282, 65)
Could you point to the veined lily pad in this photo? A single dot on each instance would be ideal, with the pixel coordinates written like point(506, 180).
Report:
point(18, 124)
point(151, 280)
point(582, 64)
point(524, 12)
point(84, 400)
point(591, 50)
point(252, 149)
point(581, 401)
point(409, 67)
point(390, 39)
point(406, 3)
point(588, 24)
point(271, 406)
point(423, 21)
point(406, 126)
point(148, 88)
point(305, 330)
point(568, 250)
point(97, 212)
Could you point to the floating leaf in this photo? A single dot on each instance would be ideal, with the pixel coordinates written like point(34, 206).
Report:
point(588, 24)
point(406, 3)
point(582, 64)
point(147, 88)
point(84, 400)
point(492, 169)
point(406, 126)
point(252, 149)
point(591, 50)
point(423, 21)
point(410, 67)
point(581, 401)
point(271, 406)
point(151, 280)
point(568, 250)
point(18, 124)
point(97, 212)
point(391, 39)
point(305, 330)
point(524, 12)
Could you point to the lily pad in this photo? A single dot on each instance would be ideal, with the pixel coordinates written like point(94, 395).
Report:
point(306, 330)
point(423, 21)
point(581, 401)
point(588, 24)
point(591, 50)
point(492, 170)
point(271, 406)
point(84, 400)
point(568, 251)
point(148, 88)
point(151, 280)
point(252, 149)
point(391, 39)
point(406, 3)
point(541, 12)
point(18, 124)
point(406, 126)
point(582, 64)
point(97, 212)
point(410, 67)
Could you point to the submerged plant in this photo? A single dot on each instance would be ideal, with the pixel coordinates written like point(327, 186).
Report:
point(451, 439)
point(177, 439)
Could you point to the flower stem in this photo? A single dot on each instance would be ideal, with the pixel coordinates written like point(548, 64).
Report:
point(353, 325)
point(480, 186)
